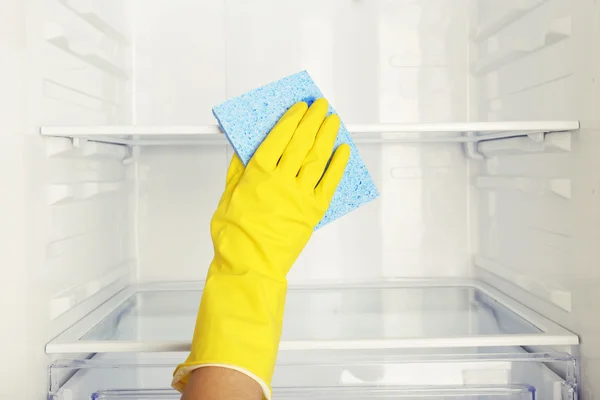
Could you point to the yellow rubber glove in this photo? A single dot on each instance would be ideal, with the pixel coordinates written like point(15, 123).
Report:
point(264, 219)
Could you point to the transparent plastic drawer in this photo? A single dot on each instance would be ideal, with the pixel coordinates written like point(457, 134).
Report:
point(326, 375)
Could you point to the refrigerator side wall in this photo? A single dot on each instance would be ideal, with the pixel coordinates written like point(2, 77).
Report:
point(15, 300)
point(537, 220)
point(65, 208)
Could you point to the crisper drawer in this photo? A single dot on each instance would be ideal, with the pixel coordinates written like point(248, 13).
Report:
point(323, 375)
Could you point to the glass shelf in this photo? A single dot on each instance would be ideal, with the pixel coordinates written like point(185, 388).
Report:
point(423, 314)
point(460, 132)
point(342, 314)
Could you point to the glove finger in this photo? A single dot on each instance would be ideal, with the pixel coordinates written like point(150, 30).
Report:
point(328, 185)
point(304, 138)
point(316, 161)
point(271, 149)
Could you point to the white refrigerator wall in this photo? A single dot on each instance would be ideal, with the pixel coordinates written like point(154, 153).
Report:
point(536, 225)
point(67, 220)
point(417, 229)
point(352, 49)
point(78, 223)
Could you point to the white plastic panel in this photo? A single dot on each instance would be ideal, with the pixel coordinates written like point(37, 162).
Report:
point(526, 223)
point(523, 59)
point(85, 62)
point(90, 206)
point(547, 258)
point(46, 249)
point(180, 60)
point(108, 17)
point(417, 228)
point(493, 17)
point(537, 236)
point(190, 56)
point(178, 190)
point(81, 59)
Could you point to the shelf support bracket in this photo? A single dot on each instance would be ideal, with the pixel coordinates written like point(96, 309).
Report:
point(133, 154)
point(471, 147)
point(78, 142)
point(537, 137)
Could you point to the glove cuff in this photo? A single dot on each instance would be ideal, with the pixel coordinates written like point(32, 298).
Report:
point(238, 326)
point(183, 371)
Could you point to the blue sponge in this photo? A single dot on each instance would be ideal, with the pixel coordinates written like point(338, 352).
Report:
point(247, 119)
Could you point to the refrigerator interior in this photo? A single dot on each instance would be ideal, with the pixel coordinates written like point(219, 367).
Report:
point(465, 112)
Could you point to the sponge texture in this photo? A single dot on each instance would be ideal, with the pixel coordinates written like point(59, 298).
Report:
point(247, 120)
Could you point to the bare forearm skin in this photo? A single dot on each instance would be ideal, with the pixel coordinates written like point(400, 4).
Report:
point(218, 383)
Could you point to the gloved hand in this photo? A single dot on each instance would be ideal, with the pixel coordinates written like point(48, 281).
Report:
point(264, 219)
